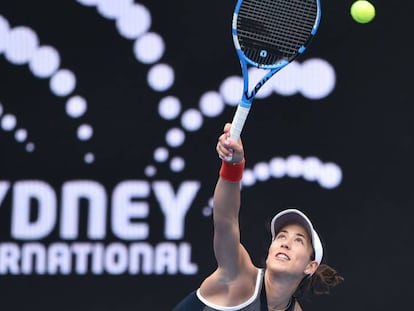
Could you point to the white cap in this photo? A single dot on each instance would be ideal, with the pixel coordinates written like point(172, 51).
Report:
point(295, 216)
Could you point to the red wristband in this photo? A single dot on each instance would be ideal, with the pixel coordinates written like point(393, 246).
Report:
point(232, 171)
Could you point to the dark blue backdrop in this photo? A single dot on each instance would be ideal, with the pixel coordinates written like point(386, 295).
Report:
point(364, 126)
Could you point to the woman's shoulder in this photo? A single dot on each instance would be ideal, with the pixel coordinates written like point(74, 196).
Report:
point(217, 289)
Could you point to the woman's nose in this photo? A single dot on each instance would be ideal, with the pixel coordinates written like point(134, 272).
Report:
point(285, 245)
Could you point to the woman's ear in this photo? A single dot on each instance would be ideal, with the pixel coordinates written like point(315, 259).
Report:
point(311, 268)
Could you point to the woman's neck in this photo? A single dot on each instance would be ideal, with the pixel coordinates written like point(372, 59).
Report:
point(279, 292)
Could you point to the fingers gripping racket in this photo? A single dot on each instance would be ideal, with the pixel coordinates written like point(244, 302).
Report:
point(269, 34)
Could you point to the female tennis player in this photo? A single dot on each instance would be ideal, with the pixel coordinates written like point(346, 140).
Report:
point(293, 265)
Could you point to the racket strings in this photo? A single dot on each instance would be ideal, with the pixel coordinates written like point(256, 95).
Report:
point(278, 27)
point(281, 15)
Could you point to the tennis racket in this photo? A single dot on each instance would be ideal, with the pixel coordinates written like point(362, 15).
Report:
point(269, 34)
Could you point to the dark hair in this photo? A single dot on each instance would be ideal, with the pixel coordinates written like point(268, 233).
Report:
point(321, 282)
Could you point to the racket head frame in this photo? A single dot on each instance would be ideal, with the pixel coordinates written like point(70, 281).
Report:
point(245, 61)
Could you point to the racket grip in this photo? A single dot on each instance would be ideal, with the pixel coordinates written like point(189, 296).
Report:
point(237, 124)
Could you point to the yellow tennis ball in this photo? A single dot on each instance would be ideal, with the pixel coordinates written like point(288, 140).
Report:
point(362, 11)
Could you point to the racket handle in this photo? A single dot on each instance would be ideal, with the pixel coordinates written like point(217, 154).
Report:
point(237, 124)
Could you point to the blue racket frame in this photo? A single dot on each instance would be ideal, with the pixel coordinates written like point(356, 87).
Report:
point(248, 96)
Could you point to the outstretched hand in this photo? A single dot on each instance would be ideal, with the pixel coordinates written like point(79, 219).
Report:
point(227, 148)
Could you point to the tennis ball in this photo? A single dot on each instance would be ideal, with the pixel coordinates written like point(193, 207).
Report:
point(362, 11)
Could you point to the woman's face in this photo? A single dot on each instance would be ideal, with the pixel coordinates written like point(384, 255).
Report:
point(291, 251)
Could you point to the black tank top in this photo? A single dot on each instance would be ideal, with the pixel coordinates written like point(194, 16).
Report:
point(195, 302)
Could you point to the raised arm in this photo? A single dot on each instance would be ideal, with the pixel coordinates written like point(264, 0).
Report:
point(230, 254)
